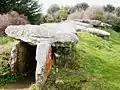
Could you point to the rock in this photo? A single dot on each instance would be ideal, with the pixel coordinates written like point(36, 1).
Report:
point(84, 27)
point(52, 32)
point(59, 81)
point(13, 59)
point(97, 31)
point(88, 21)
point(79, 24)
point(105, 25)
point(41, 55)
point(17, 57)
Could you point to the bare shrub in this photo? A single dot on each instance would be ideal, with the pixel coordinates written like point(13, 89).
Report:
point(76, 15)
point(113, 20)
point(11, 18)
point(97, 15)
point(87, 14)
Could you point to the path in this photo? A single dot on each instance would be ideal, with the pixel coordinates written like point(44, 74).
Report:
point(23, 84)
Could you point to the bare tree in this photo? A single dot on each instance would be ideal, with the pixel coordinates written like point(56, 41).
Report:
point(109, 8)
point(118, 11)
point(53, 8)
point(11, 18)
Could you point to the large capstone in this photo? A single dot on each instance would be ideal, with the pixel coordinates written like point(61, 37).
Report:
point(34, 34)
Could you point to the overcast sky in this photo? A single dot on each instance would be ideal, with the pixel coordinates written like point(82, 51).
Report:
point(47, 3)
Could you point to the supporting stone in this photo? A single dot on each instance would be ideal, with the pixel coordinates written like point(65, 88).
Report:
point(44, 61)
point(18, 57)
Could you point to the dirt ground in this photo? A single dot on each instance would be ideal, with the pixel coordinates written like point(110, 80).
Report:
point(23, 84)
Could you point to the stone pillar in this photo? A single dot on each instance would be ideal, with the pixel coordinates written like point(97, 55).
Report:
point(44, 61)
point(18, 57)
point(13, 58)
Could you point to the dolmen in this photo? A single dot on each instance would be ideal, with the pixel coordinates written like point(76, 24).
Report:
point(35, 44)
point(38, 39)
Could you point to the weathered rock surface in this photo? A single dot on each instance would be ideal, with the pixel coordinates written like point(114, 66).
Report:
point(78, 24)
point(17, 57)
point(85, 27)
point(52, 32)
point(41, 55)
point(105, 25)
point(88, 21)
point(97, 31)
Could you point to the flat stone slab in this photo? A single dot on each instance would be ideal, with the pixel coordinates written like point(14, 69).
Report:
point(87, 27)
point(51, 32)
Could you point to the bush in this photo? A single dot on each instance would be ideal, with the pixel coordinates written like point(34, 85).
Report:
point(97, 16)
point(30, 8)
point(90, 11)
point(118, 11)
point(60, 15)
point(109, 8)
point(112, 20)
point(78, 7)
point(5, 40)
point(53, 8)
point(76, 15)
point(11, 18)
point(48, 18)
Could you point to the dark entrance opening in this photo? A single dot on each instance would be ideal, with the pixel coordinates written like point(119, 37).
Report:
point(30, 61)
point(30, 65)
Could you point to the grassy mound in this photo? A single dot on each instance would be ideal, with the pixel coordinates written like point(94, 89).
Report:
point(93, 64)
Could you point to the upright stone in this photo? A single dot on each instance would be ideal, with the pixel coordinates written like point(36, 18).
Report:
point(17, 57)
point(44, 64)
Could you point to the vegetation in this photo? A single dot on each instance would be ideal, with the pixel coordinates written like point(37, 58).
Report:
point(56, 14)
point(29, 8)
point(61, 15)
point(97, 15)
point(5, 40)
point(79, 7)
point(109, 8)
point(118, 11)
point(53, 8)
point(112, 20)
point(11, 18)
point(5, 74)
point(82, 5)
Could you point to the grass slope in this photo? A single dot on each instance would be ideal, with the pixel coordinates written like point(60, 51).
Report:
point(93, 64)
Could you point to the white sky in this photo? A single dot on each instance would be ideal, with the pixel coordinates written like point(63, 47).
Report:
point(47, 3)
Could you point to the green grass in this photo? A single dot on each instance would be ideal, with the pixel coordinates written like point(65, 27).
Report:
point(93, 64)
point(102, 61)
point(5, 40)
